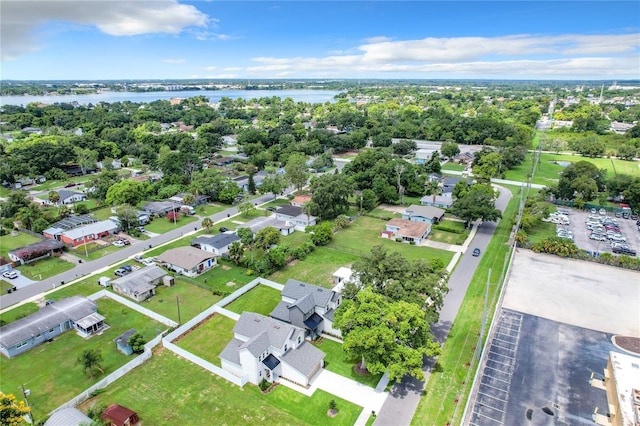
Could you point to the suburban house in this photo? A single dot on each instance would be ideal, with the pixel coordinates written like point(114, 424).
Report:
point(342, 276)
point(300, 200)
point(265, 348)
point(407, 230)
point(122, 341)
point(437, 201)
point(217, 244)
point(188, 261)
point(55, 230)
point(449, 183)
point(243, 181)
point(308, 307)
point(198, 199)
point(434, 177)
point(117, 415)
point(259, 223)
point(70, 197)
point(35, 251)
point(68, 416)
point(294, 216)
point(74, 312)
point(160, 208)
point(141, 284)
point(464, 158)
point(425, 214)
point(86, 233)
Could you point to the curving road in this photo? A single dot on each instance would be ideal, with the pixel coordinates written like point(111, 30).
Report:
point(404, 397)
point(86, 268)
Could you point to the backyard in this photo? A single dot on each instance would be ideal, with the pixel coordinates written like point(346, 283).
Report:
point(151, 391)
point(336, 360)
point(261, 299)
point(209, 338)
point(190, 298)
point(14, 240)
point(51, 370)
point(450, 232)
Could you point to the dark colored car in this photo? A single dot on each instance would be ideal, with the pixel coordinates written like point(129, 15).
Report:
point(125, 241)
point(70, 184)
point(127, 268)
point(224, 229)
point(624, 250)
point(272, 209)
point(476, 252)
point(120, 272)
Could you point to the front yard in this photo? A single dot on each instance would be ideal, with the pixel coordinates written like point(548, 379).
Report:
point(171, 390)
point(51, 371)
point(161, 225)
point(209, 338)
point(260, 299)
point(338, 362)
point(450, 232)
point(45, 268)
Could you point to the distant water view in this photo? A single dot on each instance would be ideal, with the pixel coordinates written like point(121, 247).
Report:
point(309, 96)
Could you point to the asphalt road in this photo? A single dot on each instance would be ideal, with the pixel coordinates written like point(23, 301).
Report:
point(404, 397)
point(86, 268)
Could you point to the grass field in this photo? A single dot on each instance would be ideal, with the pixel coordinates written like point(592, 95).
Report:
point(170, 390)
point(209, 338)
point(10, 242)
point(192, 299)
point(96, 253)
point(51, 371)
point(161, 225)
point(102, 214)
point(444, 236)
point(261, 299)
point(336, 360)
point(445, 385)
point(45, 268)
point(453, 166)
point(543, 231)
point(51, 184)
point(210, 209)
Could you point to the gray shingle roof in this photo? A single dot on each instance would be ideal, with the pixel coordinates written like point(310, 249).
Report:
point(230, 352)
point(72, 308)
point(217, 241)
point(251, 324)
point(91, 229)
point(304, 359)
point(185, 257)
point(40, 245)
point(257, 344)
point(292, 211)
point(123, 339)
point(139, 280)
point(424, 211)
point(64, 194)
point(281, 311)
point(295, 289)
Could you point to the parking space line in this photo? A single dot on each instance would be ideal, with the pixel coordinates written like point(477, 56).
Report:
point(496, 398)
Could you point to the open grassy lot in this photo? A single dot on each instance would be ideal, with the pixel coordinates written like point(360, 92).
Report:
point(209, 338)
point(338, 362)
point(102, 214)
point(445, 385)
point(170, 390)
point(45, 268)
point(543, 231)
point(209, 209)
point(440, 233)
point(363, 234)
point(317, 268)
point(296, 239)
point(192, 299)
point(383, 214)
point(11, 242)
point(95, 253)
point(261, 299)
point(50, 184)
point(161, 225)
point(278, 202)
point(449, 165)
point(225, 279)
point(51, 371)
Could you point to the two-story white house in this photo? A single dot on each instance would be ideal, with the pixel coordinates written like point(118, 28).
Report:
point(265, 348)
point(309, 307)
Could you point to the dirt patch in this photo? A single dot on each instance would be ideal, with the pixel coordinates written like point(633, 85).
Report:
point(225, 267)
point(629, 344)
point(359, 370)
point(332, 413)
point(230, 283)
point(293, 262)
point(394, 209)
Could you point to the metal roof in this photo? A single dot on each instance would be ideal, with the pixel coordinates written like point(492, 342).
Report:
point(313, 321)
point(217, 241)
point(68, 417)
point(91, 229)
point(90, 320)
point(271, 362)
point(139, 281)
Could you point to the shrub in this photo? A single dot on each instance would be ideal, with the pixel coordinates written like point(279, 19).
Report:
point(398, 239)
point(264, 385)
point(333, 405)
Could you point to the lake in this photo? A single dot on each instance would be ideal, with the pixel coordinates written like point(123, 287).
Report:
point(309, 96)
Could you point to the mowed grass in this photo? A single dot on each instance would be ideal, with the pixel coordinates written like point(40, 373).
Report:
point(444, 236)
point(45, 268)
point(336, 360)
point(171, 390)
point(445, 385)
point(191, 299)
point(51, 371)
point(541, 232)
point(453, 166)
point(12, 242)
point(260, 299)
point(210, 209)
point(209, 338)
point(161, 225)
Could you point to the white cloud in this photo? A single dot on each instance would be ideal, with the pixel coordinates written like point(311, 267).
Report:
point(174, 61)
point(21, 19)
point(210, 68)
point(208, 35)
point(377, 39)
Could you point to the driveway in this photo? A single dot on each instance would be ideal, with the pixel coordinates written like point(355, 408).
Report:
point(20, 281)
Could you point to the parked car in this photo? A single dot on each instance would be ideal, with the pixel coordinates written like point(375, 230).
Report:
point(10, 274)
point(602, 212)
point(127, 268)
point(593, 211)
point(120, 272)
point(118, 243)
point(138, 258)
point(148, 262)
point(224, 229)
point(624, 250)
point(598, 237)
point(476, 252)
point(272, 209)
point(125, 241)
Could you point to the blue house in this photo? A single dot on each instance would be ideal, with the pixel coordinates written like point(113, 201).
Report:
point(122, 341)
point(76, 312)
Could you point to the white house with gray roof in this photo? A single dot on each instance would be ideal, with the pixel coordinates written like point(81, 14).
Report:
point(74, 312)
point(188, 261)
point(265, 348)
point(293, 215)
point(309, 307)
point(217, 244)
point(141, 284)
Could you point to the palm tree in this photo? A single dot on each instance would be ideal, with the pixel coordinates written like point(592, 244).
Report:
point(54, 197)
point(207, 223)
point(90, 359)
point(188, 200)
point(28, 215)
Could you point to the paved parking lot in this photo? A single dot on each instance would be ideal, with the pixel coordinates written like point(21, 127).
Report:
point(578, 218)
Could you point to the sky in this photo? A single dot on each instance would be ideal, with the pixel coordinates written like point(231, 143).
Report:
point(177, 39)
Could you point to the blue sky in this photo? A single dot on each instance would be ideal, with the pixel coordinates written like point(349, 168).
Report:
point(174, 39)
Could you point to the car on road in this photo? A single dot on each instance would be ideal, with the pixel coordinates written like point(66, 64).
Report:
point(476, 252)
point(70, 184)
point(118, 243)
point(224, 229)
point(10, 274)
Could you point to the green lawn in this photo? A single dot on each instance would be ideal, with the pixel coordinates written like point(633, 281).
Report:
point(209, 338)
point(192, 299)
point(261, 299)
point(337, 361)
point(19, 312)
point(171, 390)
point(446, 383)
point(210, 209)
point(161, 225)
point(224, 279)
point(295, 239)
point(45, 268)
point(453, 166)
point(317, 268)
point(383, 214)
point(10, 242)
point(444, 236)
point(277, 203)
point(102, 214)
point(51, 184)
point(96, 253)
point(50, 370)
point(541, 232)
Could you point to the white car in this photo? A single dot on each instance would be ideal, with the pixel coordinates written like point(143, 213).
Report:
point(118, 243)
point(148, 262)
point(10, 274)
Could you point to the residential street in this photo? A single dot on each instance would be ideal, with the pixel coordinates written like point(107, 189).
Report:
point(404, 397)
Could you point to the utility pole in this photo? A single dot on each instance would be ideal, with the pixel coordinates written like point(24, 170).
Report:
point(178, 305)
point(26, 393)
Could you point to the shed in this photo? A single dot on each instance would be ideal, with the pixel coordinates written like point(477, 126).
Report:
point(120, 416)
point(122, 341)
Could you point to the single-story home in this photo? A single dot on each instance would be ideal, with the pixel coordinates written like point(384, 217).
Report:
point(266, 348)
point(434, 177)
point(56, 229)
point(117, 415)
point(90, 232)
point(427, 214)
point(74, 312)
point(68, 416)
point(160, 208)
point(437, 201)
point(259, 223)
point(308, 307)
point(449, 183)
point(122, 341)
point(188, 261)
point(407, 230)
point(141, 284)
point(198, 199)
point(294, 215)
point(70, 197)
point(217, 244)
point(300, 200)
point(35, 251)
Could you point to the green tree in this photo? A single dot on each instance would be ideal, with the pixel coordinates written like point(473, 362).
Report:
point(137, 342)
point(236, 251)
point(385, 336)
point(246, 235)
point(296, 170)
point(450, 149)
point(11, 412)
point(246, 208)
point(127, 192)
point(627, 152)
point(575, 171)
point(330, 195)
point(267, 237)
point(86, 158)
point(90, 360)
point(273, 183)
point(53, 197)
point(368, 200)
point(127, 216)
point(39, 225)
point(28, 215)
point(321, 234)
point(477, 203)
point(341, 222)
point(207, 223)
point(189, 200)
